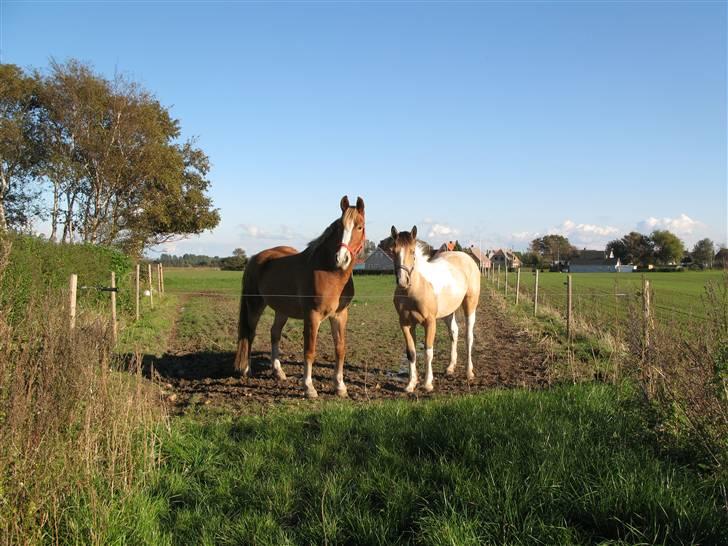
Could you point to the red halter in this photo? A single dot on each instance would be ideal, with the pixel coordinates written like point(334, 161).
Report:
point(355, 252)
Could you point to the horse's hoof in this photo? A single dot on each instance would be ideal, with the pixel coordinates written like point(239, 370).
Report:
point(342, 393)
point(450, 370)
point(470, 375)
point(311, 393)
point(281, 375)
point(409, 389)
point(428, 387)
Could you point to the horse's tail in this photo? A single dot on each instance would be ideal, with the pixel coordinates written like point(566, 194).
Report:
point(249, 299)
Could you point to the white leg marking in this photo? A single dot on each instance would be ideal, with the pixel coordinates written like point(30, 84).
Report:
point(412, 373)
point(277, 369)
point(428, 378)
point(471, 326)
point(453, 325)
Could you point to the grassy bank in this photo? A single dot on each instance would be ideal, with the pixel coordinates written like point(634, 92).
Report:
point(570, 465)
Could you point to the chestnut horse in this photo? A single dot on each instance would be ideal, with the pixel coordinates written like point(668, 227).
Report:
point(432, 286)
point(311, 285)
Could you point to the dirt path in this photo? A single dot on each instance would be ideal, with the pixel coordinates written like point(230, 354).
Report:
point(197, 368)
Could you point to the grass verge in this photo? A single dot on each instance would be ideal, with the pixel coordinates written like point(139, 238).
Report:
point(573, 464)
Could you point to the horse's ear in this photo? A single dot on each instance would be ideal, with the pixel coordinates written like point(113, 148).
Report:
point(360, 205)
point(394, 232)
point(344, 203)
point(414, 232)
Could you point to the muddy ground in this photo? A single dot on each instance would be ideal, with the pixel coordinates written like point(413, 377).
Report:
point(196, 370)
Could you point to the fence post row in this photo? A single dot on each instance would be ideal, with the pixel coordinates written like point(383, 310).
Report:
point(518, 283)
point(535, 295)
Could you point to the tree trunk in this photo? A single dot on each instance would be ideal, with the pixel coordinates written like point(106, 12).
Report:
point(4, 185)
point(54, 213)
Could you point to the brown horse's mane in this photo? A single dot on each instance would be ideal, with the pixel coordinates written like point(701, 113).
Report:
point(314, 245)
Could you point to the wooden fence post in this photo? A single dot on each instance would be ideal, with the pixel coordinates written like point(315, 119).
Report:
point(136, 291)
point(646, 335)
point(159, 280)
point(149, 280)
point(161, 270)
point(113, 307)
point(518, 283)
point(506, 280)
point(498, 279)
point(535, 295)
point(569, 318)
point(72, 285)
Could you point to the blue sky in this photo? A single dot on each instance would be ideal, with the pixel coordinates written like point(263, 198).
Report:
point(488, 122)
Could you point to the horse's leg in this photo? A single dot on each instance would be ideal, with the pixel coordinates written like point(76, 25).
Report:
point(338, 332)
point(470, 321)
point(453, 326)
point(251, 307)
point(411, 349)
point(310, 332)
point(430, 327)
point(275, 338)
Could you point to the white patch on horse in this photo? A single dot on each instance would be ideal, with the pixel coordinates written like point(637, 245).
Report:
point(345, 240)
point(437, 272)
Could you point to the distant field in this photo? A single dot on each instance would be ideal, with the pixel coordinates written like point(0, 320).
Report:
point(675, 295)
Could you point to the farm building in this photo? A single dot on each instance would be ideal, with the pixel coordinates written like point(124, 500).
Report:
point(595, 261)
point(480, 257)
point(503, 256)
point(379, 261)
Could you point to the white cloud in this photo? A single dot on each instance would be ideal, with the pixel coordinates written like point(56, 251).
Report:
point(585, 234)
point(682, 225)
point(284, 233)
point(442, 230)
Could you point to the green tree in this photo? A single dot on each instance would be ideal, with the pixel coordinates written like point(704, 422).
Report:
point(118, 172)
point(369, 248)
point(668, 248)
point(704, 252)
point(552, 248)
point(19, 147)
point(633, 248)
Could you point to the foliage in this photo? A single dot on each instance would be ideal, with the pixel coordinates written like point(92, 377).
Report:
point(668, 248)
point(111, 152)
point(77, 437)
point(37, 267)
point(552, 248)
point(633, 248)
point(704, 252)
point(20, 150)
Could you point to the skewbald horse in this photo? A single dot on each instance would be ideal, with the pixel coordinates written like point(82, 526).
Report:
point(431, 287)
point(312, 285)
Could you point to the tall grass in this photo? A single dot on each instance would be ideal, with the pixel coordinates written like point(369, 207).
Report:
point(76, 437)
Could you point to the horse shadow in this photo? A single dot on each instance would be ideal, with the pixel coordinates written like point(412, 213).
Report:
point(198, 371)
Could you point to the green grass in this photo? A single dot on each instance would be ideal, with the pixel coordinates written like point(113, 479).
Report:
point(202, 279)
point(570, 465)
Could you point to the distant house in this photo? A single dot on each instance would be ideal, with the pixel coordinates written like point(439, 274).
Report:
point(596, 261)
point(721, 259)
point(503, 257)
point(379, 261)
point(480, 257)
point(447, 247)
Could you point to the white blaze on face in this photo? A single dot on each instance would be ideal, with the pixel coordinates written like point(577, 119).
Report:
point(343, 255)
